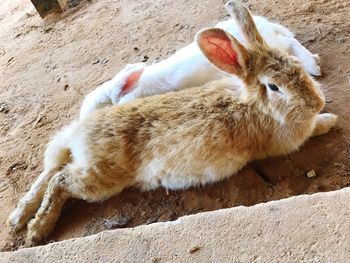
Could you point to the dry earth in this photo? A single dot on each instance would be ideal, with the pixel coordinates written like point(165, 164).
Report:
point(47, 66)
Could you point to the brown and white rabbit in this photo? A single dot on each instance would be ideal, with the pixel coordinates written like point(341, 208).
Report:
point(182, 139)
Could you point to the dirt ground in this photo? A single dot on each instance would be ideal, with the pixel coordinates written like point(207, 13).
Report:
point(47, 66)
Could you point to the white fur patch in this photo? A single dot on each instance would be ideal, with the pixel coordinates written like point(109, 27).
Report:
point(187, 173)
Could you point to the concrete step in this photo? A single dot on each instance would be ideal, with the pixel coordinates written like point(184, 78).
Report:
point(307, 228)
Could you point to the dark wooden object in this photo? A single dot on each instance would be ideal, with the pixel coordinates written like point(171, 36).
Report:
point(45, 7)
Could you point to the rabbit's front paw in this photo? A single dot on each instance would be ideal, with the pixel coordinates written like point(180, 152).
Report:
point(324, 123)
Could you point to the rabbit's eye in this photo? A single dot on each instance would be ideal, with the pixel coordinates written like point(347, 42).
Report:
point(273, 87)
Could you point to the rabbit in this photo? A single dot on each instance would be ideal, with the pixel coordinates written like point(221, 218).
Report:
point(186, 138)
point(188, 68)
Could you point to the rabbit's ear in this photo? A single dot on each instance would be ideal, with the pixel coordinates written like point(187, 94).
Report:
point(223, 50)
point(247, 26)
point(130, 82)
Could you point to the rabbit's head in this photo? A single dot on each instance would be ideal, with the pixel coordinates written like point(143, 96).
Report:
point(274, 80)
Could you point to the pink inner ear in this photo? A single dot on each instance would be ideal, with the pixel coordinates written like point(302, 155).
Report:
point(220, 48)
point(130, 82)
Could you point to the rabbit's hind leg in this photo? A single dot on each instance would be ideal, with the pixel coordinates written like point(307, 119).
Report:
point(69, 183)
point(55, 158)
point(29, 203)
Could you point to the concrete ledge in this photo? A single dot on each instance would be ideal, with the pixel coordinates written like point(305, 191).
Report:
point(308, 228)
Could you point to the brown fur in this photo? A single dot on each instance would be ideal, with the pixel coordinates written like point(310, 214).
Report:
point(180, 139)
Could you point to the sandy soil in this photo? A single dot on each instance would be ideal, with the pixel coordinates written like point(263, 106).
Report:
point(47, 66)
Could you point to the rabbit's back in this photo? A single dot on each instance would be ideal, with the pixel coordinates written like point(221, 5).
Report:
point(176, 140)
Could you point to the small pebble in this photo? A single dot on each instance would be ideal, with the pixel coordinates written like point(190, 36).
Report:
point(111, 224)
point(340, 165)
point(311, 173)
point(95, 62)
point(194, 249)
point(4, 108)
point(48, 29)
point(152, 220)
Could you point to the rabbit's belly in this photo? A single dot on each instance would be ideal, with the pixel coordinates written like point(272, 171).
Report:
point(155, 174)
